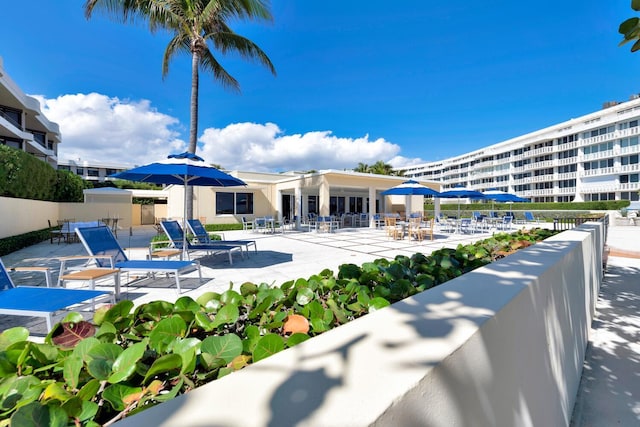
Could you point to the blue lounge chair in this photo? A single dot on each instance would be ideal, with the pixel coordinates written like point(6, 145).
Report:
point(173, 230)
point(201, 234)
point(528, 217)
point(100, 241)
point(41, 301)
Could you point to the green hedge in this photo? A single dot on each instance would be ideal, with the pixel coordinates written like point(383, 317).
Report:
point(26, 177)
point(14, 243)
point(609, 205)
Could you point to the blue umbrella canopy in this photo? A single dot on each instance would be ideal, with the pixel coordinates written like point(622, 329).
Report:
point(181, 169)
point(460, 192)
point(410, 188)
point(502, 196)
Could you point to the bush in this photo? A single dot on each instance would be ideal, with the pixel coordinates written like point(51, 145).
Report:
point(26, 177)
point(14, 243)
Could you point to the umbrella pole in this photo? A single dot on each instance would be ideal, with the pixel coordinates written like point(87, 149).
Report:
point(184, 254)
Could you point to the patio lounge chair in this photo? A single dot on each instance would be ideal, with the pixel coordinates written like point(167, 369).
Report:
point(41, 301)
point(202, 235)
point(100, 241)
point(173, 230)
point(529, 218)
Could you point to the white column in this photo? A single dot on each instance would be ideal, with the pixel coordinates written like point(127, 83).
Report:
point(372, 206)
point(278, 215)
point(298, 210)
point(323, 199)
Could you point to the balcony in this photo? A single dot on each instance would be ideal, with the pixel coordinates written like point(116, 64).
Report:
point(596, 172)
point(630, 168)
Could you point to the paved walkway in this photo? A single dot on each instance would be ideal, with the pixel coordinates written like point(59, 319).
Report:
point(609, 393)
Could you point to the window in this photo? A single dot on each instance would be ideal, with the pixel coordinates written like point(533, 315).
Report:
point(80, 171)
point(244, 203)
point(234, 203)
point(13, 116)
point(336, 205)
point(312, 204)
point(11, 142)
point(93, 172)
point(355, 205)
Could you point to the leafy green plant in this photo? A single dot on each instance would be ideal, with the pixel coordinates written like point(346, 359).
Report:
point(131, 358)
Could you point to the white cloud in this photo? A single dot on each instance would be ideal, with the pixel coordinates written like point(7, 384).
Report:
point(264, 147)
point(400, 161)
point(96, 127)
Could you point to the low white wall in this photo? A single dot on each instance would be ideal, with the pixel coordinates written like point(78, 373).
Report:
point(503, 345)
point(22, 216)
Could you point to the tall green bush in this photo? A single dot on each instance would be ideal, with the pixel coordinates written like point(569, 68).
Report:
point(26, 177)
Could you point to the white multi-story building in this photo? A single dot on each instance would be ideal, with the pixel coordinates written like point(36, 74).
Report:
point(22, 124)
point(593, 157)
point(91, 171)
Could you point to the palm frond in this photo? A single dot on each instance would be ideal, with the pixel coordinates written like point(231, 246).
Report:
point(209, 63)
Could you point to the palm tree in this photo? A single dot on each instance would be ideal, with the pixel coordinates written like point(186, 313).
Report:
point(193, 25)
point(362, 167)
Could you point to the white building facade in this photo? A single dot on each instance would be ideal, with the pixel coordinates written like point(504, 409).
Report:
point(590, 158)
point(22, 124)
point(92, 171)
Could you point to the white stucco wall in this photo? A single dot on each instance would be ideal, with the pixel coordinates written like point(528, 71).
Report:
point(503, 345)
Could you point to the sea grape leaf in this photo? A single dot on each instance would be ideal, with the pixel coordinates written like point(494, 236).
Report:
point(210, 301)
point(248, 288)
point(377, 303)
point(36, 414)
point(296, 339)
point(102, 357)
point(81, 350)
point(56, 391)
point(224, 347)
point(267, 345)
point(115, 393)
point(118, 311)
point(13, 335)
point(304, 296)
point(71, 371)
point(231, 297)
point(203, 321)
point(228, 314)
point(186, 304)
point(166, 363)
point(125, 365)
point(89, 390)
point(166, 331)
point(71, 333)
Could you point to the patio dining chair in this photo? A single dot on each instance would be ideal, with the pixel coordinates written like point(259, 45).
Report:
point(393, 229)
point(38, 301)
point(100, 241)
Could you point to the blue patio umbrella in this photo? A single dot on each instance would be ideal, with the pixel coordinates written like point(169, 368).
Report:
point(460, 192)
point(181, 169)
point(503, 197)
point(410, 188)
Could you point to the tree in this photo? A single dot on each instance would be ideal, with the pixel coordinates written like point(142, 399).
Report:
point(630, 28)
point(194, 25)
point(378, 168)
point(362, 167)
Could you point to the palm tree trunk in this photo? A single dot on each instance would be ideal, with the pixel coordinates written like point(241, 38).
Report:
point(193, 128)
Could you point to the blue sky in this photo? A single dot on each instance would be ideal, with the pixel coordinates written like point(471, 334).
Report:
point(358, 81)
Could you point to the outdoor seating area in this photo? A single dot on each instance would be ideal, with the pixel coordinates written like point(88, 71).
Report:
point(102, 263)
